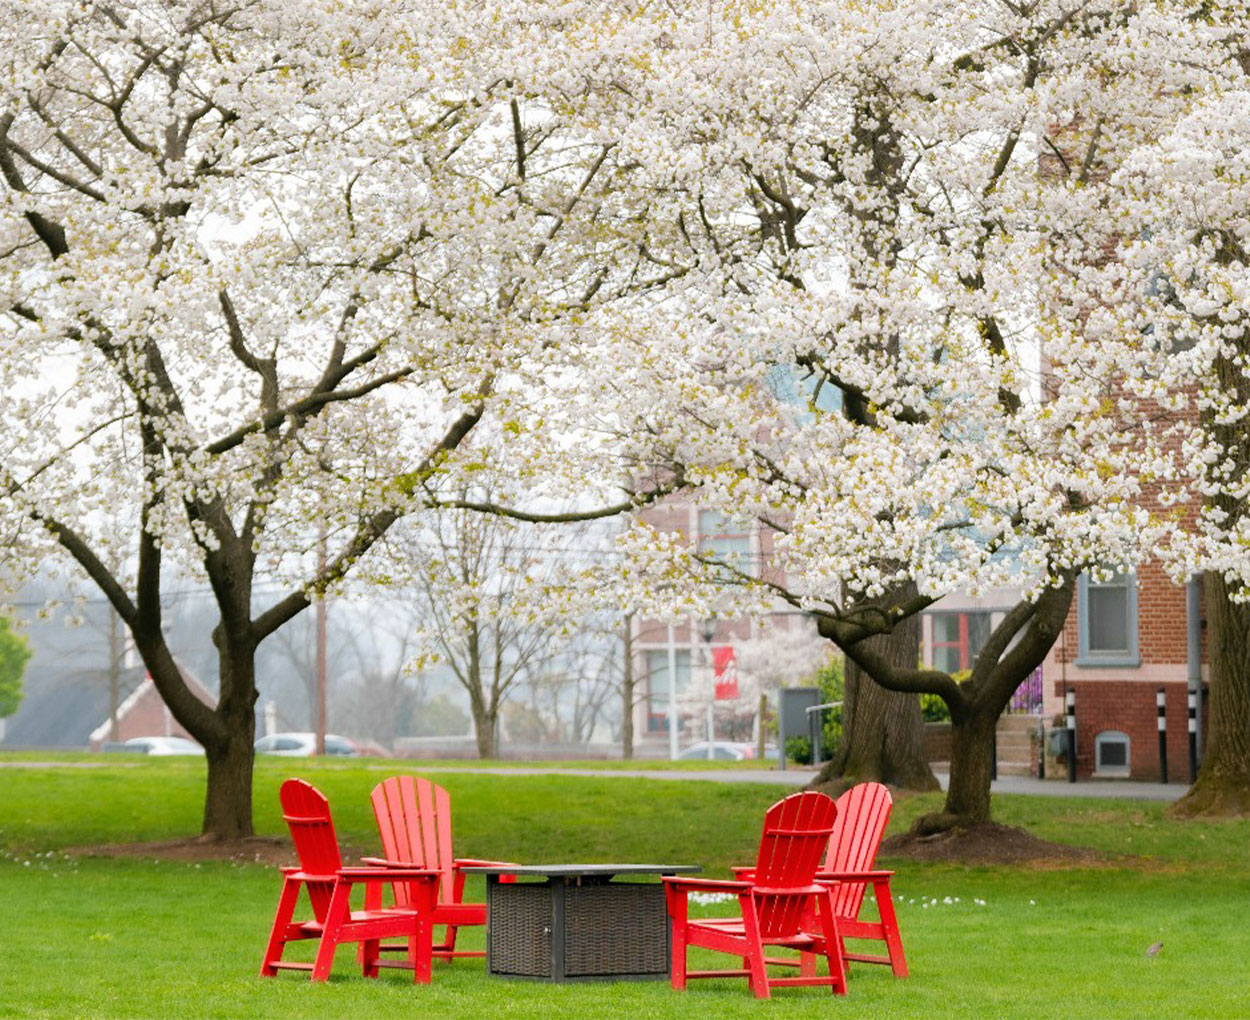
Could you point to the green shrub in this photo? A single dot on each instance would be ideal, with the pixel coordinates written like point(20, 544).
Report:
point(832, 684)
point(799, 750)
point(934, 709)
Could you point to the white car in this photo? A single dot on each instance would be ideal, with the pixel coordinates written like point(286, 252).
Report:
point(304, 745)
point(722, 750)
point(725, 750)
point(161, 745)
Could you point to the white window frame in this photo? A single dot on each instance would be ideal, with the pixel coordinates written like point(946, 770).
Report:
point(1096, 657)
point(1113, 737)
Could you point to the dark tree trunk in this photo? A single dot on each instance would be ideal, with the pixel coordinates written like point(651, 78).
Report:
point(228, 799)
point(972, 767)
point(1013, 650)
point(1223, 784)
point(882, 730)
point(485, 721)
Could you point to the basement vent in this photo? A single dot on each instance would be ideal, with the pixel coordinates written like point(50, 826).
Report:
point(1111, 753)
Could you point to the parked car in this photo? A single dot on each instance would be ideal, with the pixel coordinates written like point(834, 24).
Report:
point(304, 745)
point(158, 746)
point(722, 750)
point(726, 750)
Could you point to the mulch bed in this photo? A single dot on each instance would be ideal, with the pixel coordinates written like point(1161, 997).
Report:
point(991, 844)
point(253, 849)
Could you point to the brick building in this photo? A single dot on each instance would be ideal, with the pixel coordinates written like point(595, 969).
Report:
point(144, 714)
point(1126, 639)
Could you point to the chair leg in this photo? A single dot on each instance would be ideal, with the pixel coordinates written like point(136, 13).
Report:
point(369, 953)
point(833, 945)
point(677, 912)
point(807, 961)
point(421, 949)
point(449, 943)
point(277, 935)
point(889, 923)
point(758, 982)
point(338, 913)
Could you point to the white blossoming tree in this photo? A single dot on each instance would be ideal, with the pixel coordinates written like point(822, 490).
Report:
point(1185, 348)
point(912, 205)
point(273, 269)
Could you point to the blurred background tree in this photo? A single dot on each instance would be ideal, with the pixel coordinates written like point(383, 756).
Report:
point(14, 654)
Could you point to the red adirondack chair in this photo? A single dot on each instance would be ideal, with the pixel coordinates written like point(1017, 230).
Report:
point(776, 903)
point(414, 819)
point(863, 812)
point(329, 885)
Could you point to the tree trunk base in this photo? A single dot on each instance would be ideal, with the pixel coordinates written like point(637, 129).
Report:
point(831, 778)
point(829, 781)
point(942, 836)
point(1214, 797)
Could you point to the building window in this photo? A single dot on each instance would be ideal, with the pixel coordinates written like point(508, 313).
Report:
point(957, 640)
point(657, 684)
point(722, 540)
point(1106, 613)
point(803, 390)
point(1111, 753)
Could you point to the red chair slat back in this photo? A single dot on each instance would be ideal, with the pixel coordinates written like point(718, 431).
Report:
point(414, 820)
point(796, 831)
point(863, 812)
point(307, 814)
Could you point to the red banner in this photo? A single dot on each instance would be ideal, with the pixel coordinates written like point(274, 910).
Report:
point(726, 670)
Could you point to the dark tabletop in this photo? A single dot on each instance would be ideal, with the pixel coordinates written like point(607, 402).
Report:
point(583, 870)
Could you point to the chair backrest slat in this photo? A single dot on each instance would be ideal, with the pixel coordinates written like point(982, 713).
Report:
point(796, 831)
point(414, 819)
point(307, 814)
point(863, 812)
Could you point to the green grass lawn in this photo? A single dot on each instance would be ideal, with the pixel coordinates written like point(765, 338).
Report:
point(89, 936)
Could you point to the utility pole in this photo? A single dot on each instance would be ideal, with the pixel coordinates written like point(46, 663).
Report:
point(117, 650)
point(672, 694)
point(321, 647)
point(627, 689)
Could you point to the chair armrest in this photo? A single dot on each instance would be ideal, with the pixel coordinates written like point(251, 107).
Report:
point(384, 862)
point(680, 884)
point(300, 875)
point(744, 874)
point(853, 876)
point(388, 874)
point(790, 890)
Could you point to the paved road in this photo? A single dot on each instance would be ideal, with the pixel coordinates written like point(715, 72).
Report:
point(799, 777)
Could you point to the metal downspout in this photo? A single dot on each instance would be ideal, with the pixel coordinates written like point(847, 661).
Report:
point(1193, 651)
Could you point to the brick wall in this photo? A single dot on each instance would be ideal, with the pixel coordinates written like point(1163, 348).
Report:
point(1123, 698)
point(1129, 707)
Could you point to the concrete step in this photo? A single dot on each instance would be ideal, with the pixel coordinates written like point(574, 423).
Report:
point(1017, 724)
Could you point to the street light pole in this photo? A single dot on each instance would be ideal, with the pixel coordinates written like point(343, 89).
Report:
point(672, 695)
point(707, 631)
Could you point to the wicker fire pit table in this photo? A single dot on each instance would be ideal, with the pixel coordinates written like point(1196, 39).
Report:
point(575, 923)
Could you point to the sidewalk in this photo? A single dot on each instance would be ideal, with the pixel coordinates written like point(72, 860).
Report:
point(1126, 789)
